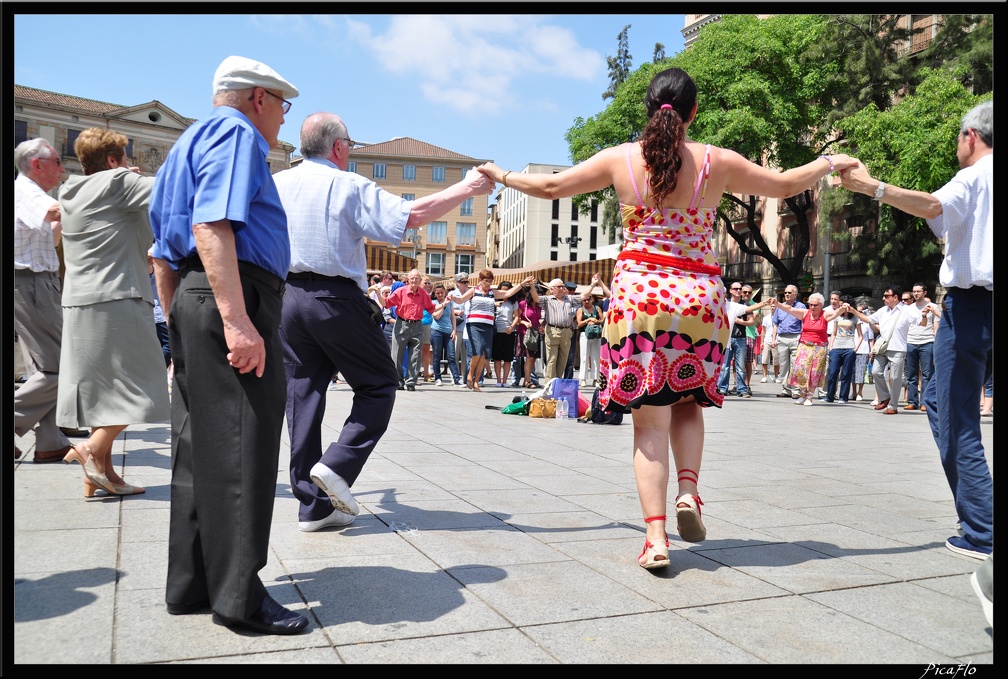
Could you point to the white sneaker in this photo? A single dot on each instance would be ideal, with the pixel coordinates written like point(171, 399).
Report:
point(858, 398)
point(335, 487)
point(763, 380)
point(874, 402)
point(808, 402)
point(437, 382)
point(337, 519)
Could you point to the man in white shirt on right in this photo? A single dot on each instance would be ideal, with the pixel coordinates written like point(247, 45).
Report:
point(961, 213)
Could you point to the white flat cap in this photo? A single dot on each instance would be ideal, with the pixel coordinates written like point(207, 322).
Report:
point(239, 73)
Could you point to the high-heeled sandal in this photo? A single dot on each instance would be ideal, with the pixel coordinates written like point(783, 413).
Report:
point(654, 555)
point(96, 478)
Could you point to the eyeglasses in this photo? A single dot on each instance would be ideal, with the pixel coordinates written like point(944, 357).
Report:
point(886, 294)
point(735, 289)
point(747, 292)
point(57, 159)
point(286, 106)
point(811, 304)
point(788, 292)
point(350, 143)
point(908, 299)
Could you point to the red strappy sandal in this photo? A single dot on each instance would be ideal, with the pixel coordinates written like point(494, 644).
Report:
point(654, 556)
point(688, 521)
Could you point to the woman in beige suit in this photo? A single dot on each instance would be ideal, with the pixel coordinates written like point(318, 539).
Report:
point(113, 368)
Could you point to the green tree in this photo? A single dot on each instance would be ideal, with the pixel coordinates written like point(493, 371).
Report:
point(659, 52)
point(866, 48)
point(911, 144)
point(619, 65)
point(965, 40)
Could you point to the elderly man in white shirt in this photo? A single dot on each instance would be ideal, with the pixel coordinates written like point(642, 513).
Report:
point(38, 314)
point(891, 322)
point(962, 214)
point(327, 324)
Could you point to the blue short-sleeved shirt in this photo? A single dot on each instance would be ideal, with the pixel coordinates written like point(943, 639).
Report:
point(218, 170)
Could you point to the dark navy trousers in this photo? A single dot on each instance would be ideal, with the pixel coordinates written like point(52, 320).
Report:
point(327, 327)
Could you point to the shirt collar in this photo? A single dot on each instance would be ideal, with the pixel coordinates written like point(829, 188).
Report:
point(229, 112)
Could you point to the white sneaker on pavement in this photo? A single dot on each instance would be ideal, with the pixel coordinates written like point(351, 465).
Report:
point(335, 487)
point(336, 520)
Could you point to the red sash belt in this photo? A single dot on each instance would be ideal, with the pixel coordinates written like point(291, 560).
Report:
point(670, 261)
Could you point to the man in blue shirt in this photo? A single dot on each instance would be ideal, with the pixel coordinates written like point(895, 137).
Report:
point(221, 254)
point(787, 331)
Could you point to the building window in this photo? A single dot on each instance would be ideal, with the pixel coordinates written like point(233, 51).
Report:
point(574, 237)
point(594, 211)
point(409, 173)
point(465, 263)
point(465, 233)
point(591, 257)
point(71, 140)
point(409, 196)
point(20, 131)
point(574, 211)
point(466, 209)
point(554, 235)
point(352, 166)
point(435, 263)
point(379, 171)
point(556, 208)
point(438, 174)
point(438, 233)
point(553, 255)
point(593, 237)
point(129, 148)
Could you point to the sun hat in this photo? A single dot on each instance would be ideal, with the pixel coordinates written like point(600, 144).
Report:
point(240, 73)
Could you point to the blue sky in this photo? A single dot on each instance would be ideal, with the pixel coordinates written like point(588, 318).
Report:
point(503, 87)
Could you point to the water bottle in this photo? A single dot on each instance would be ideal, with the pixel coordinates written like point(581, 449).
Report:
point(524, 395)
point(559, 409)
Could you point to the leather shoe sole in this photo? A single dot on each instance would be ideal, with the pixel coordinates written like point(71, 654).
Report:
point(45, 456)
point(333, 485)
point(882, 405)
point(909, 406)
point(188, 609)
point(270, 618)
point(75, 433)
point(890, 411)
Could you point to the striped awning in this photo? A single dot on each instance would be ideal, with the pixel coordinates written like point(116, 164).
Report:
point(579, 273)
point(380, 259)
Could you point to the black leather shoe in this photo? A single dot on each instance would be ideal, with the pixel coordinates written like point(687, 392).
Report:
point(188, 609)
point(410, 387)
point(270, 618)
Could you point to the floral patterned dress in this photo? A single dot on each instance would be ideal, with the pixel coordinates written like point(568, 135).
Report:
point(666, 329)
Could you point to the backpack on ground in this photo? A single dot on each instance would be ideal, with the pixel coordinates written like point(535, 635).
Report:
point(599, 416)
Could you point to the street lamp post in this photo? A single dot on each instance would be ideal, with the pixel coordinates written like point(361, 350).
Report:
point(572, 241)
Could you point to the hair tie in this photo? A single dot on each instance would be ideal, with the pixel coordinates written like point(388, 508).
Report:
point(664, 106)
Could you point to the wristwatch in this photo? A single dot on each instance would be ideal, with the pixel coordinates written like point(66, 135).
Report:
point(880, 191)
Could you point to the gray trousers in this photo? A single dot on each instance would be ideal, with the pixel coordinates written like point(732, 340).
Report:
point(787, 350)
point(407, 334)
point(38, 320)
point(888, 383)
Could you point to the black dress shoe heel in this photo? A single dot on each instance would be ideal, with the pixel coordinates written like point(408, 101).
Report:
point(269, 618)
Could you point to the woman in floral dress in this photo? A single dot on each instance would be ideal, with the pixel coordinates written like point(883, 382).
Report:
point(666, 328)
